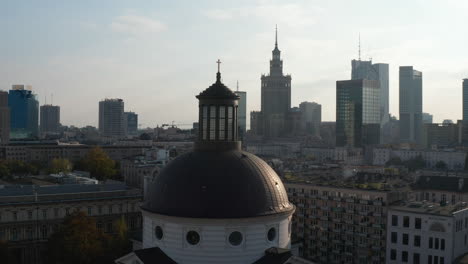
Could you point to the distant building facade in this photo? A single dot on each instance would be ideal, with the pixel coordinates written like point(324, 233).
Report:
point(411, 105)
point(24, 113)
point(455, 160)
point(111, 118)
point(131, 123)
point(46, 153)
point(50, 119)
point(311, 117)
point(4, 118)
point(256, 123)
point(427, 118)
point(357, 113)
point(441, 135)
point(242, 112)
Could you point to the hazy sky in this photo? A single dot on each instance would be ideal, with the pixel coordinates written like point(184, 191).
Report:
point(157, 55)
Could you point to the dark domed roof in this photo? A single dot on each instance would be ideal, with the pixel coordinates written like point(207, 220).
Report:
point(218, 90)
point(209, 184)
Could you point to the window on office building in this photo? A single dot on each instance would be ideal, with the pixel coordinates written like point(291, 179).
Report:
point(404, 256)
point(417, 241)
point(405, 221)
point(405, 239)
point(393, 254)
point(416, 258)
point(417, 223)
point(394, 220)
point(394, 237)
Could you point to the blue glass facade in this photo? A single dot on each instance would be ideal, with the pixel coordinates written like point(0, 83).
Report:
point(24, 114)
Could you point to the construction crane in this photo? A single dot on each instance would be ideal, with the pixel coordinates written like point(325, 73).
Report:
point(174, 125)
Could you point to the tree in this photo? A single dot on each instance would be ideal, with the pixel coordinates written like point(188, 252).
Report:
point(99, 165)
point(395, 161)
point(6, 255)
point(60, 165)
point(77, 241)
point(415, 163)
point(4, 171)
point(441, 165)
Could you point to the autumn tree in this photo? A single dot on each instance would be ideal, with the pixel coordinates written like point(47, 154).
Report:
point(77, 241)
point(60, 165)
point(99, 165)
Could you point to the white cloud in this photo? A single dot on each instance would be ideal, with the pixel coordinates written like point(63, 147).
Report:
point(219, 14)
point(290, 14)
point(137, 25)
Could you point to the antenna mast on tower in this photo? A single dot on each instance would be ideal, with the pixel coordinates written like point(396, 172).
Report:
point(359, 46)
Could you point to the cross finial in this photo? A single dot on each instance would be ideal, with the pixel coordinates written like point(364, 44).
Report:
point(219, 64)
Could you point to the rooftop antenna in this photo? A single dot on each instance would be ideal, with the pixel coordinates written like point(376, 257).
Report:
point(359, 45)
point(237, 85)
point(52, 98)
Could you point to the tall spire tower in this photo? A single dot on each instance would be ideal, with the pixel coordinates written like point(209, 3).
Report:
point(276, 96)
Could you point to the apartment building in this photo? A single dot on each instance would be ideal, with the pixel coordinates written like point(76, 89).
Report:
point(420, 232)
point(340, 225)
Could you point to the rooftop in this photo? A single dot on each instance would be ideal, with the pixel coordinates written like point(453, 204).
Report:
point(430, 208)
point(18, 194)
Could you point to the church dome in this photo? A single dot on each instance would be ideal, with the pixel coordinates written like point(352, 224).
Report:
point(209, 184)
point(217, 180)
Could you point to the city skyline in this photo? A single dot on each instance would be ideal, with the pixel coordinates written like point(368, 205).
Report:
point(83, 56)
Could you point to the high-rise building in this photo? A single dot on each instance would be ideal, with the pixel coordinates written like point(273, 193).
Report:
point(379, 72)
point(357, 113)
point(4, 118)
point(131, 123)
point(256, 123)
point(410, 105)
point(111, 118)
point(465, 100)
point(311, 117)
point(427, 118)
point(24, 113)
point(50, 119)
point(242, 112)
point(275, 96)
point(464, 133)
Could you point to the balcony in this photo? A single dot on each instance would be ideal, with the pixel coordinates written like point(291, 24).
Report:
point(364, 201)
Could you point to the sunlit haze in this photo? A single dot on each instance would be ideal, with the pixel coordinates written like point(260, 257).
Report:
point(157, 55)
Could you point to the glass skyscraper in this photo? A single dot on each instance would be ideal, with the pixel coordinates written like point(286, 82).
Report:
point(379, 72)
point(410, 105)
point(357, 113)
point(24, 113)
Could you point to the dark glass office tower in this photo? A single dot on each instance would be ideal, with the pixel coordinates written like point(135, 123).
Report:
point(357, 113)
point(4, 118)
point(24, 113)
point(410, 105)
